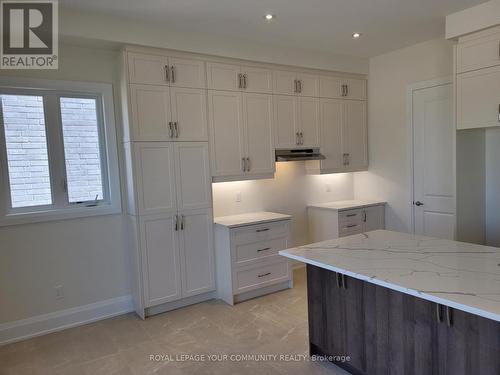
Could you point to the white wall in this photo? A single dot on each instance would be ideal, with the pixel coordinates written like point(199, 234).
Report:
point(390, 74)
point(86, 256)
point(288, 193)
point(493, 187)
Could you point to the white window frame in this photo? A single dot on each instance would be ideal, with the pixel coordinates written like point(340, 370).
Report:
point(61, 208)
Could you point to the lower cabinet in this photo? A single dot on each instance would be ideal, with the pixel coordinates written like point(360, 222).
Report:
point(177, 255)
point(385, 332)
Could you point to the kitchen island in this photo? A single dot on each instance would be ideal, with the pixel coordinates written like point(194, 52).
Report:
point(393, 303)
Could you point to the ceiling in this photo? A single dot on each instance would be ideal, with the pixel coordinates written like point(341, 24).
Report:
point(323, 25)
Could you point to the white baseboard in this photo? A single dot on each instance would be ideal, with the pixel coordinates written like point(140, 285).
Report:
point(59, 320)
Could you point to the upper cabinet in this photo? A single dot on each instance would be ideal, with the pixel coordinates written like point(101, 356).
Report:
point(163, 70)
point(238, 78)
point(294, 83)
point(346, 88)
point(478, 51)
point(478, 80)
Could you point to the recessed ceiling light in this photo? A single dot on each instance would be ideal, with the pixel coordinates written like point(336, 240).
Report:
point(269, 16)
point(356, 35)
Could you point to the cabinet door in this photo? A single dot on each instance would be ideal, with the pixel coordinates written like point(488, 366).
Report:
point(150, 106)
point(478, 99)
point(334, 306)
point(309, 121)
point(223, 76)
point(189, 111)
point(286, 124)
point(187, 73)
point(147, 69)
point(355, 135)
point(226, 133)
point(258, 118)
point(160, 259)
point(308, 84)
point(478, 53)
point(155, 171)
point(258, 79)
point(197, 252)
point(373, 218)
point(356, 88)
point(330, 87)
point(284, 82)
point(331, 134)
point(193, 178)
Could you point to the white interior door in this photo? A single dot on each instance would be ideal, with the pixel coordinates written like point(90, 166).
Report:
point(434, 167)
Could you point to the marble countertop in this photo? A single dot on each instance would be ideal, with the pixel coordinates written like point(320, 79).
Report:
point(455, 274)
point(250, 219)
point(347, 205)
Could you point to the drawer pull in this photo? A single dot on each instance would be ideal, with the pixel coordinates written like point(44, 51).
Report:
point(352, 225)
point(264, 274)
point(267, 248)
point(351, 215)
point(262, 230)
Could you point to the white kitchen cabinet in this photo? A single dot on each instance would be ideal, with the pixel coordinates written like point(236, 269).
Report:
point(354, 88)
point(159, 244)
point(241, 135)
point(164, 70)
point(239, 78)
point(478, 51)
point(172, 176)
point(342, 88)
point(354, 135)
point(330, 87)
point(478, 98)
point(344, 218)
point(294, 83)
point(296, 122)
point(161, 113)
point(197, 252)
point(331, 135)
point(248, 263)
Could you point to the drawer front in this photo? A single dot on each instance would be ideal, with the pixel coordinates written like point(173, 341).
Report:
point(260, 275)
point(347, 229)
point(261, 250)
point(351, 216)
point(260, 232)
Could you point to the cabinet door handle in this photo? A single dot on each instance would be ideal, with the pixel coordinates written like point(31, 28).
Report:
point(244, 164)
point(351, 215)
point(176, 224)
point(176, 128)
point(344, 283)
point(346, 90)
point(300, 85)
point(346, 162)
point(172, 75)
point(449, 316)
point(297, 141)
point(182, 222)
point(439, 313)
point(295, 89)
point(170, 129)
point(264, 274)
point(262, 230)
point(265, 249)
point(245, 81)
point(249, 165)
point(301, 138)
point(352, 225)
point(364, 216)
point(167, 73)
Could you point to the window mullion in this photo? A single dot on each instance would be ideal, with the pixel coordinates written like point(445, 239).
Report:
point(57, 163)
point(4, 174)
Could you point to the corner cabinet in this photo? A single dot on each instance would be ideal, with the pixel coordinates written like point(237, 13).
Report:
point(241, 140)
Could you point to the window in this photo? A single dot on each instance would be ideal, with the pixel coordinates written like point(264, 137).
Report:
point(58, 150)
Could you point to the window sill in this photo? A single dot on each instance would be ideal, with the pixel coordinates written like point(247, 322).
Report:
point(58, 214)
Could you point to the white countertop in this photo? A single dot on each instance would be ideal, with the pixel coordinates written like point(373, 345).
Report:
point(456, 274)
point(250, 219)
point(347, 205)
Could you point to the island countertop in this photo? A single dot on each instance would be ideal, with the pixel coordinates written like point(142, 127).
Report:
point(456, 274)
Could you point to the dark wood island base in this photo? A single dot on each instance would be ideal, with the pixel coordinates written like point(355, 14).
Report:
point(367, 329)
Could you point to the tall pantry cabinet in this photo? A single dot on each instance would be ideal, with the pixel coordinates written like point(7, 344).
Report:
point(164, 101)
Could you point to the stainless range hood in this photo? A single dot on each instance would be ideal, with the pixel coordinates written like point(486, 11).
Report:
point(299, 154)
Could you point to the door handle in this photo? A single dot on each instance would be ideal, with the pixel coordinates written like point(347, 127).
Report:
point(167, 73)
point(249, 165)
point(339, 280)
point(262, 230)
point(439, 313)
point(182, 222)
point(265, 249)
point(295, 90)
point(449, 316)
point(172, 75)
point(240, 80)
point(245, 81)
point(244, 164)
point(176, 224)
point(176, 129)
point(300, 85)
point(264, 274)
point(418, 203)
point(297, 139)
point(170, 129)
point(364, 216)
point(301, 136)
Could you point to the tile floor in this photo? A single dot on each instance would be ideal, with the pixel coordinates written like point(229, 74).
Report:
point(272, 324)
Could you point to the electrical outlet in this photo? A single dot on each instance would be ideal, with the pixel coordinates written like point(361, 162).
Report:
point(238, 196)
point(59, 291)
point(328, 188)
